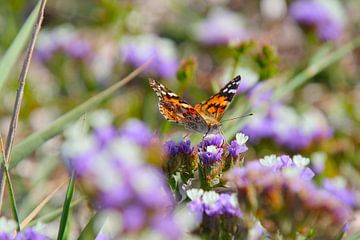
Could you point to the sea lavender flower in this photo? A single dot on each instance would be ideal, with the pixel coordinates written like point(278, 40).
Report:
point(221, 27)
point(180, 158)
point(285, 163)
point(111, 168)
point(211, 155)
point(136, 50)
point(213, 204)
point(238, 146)
point(8, 228)
point(337, 187)
point(317, 15)
point(283, 124)
point(212, 140)
point(285, 204)
point(62, 39)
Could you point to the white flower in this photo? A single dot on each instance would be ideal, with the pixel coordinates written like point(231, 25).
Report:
point(233, 200)
point(300, 161)
point(210, 197)
point(194, 194)
point(241, 138)
point(269, 161)
point(211, 149)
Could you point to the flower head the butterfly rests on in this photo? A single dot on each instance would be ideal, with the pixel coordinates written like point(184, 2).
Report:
point(204, 117)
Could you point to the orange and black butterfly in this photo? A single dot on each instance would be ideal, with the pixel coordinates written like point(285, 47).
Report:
point(204, 117)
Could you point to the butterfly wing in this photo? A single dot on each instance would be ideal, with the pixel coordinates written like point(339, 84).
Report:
point(176, 109)
point(216, 105)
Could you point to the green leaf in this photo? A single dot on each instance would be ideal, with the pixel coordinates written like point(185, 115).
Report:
point(355, 236)
point(93, 227)
point(66, 208)
point(12, 54)
point(32, 142)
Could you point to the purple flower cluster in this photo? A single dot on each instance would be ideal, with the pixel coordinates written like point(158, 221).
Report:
point(24, 235)
point(183, 148)
point(110, 165)
point(280, 195)
point(136, 50)
point(315, 14)
point(221, 27)
point(63, 39)
point(213, 204)
point(286, 164)
point(8, 227)
point(283, 124)
point(210, 149)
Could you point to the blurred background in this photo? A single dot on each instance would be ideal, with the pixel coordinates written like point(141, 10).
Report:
point(197, 46)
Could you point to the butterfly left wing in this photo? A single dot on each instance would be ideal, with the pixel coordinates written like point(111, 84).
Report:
point(216, 105)
point(176, 109)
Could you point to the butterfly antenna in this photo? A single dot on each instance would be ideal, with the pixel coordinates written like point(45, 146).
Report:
point(230, 119)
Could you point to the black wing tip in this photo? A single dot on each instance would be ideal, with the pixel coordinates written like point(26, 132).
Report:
point(237, 78)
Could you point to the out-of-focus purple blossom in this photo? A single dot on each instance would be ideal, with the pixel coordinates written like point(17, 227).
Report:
point(213, 204)
point(63, 39)
point(212, 140)
point(337, 187)
point(221, 27)
point(280, 195)
point(283, 124)
point(211, 155)
point(137, 132)
point(238, 146)
point(315, 14)
point(285, 163)
point(8, 227)
point(111, 166)
point(137, 50)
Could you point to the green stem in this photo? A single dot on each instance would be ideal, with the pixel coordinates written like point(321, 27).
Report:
point(66, 207)
point(12, 197)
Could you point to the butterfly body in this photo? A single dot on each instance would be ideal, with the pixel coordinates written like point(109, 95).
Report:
point(203, 117)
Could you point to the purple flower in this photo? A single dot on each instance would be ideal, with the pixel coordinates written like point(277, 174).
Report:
point(230, 206)
point(338, 189)
point(284, 163)
point(221, 27)
point(211, 155)
point(114, 173)
point(212, 140)
point(284, 125)
point(62, 39)
point(139, 49)
point(238, 146)
point(281, 195)
point(311, 13)
point(185, 147)
point(28, 233)
point(213, 204)
point(137, 132)
point(171, 148)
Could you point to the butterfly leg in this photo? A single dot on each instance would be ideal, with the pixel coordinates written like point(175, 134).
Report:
point(186, 136)
point(222, 133)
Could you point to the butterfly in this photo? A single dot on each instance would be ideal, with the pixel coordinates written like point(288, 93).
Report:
point(204, 117)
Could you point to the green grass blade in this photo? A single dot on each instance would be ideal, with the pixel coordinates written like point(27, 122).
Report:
point(355, 236)
point(93, 227)
point(317, 67)
point(51, 216)
point(10, 57)
point(66, 207)
point(32, 142)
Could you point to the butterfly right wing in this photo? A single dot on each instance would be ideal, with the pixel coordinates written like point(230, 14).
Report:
point(175, 109)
